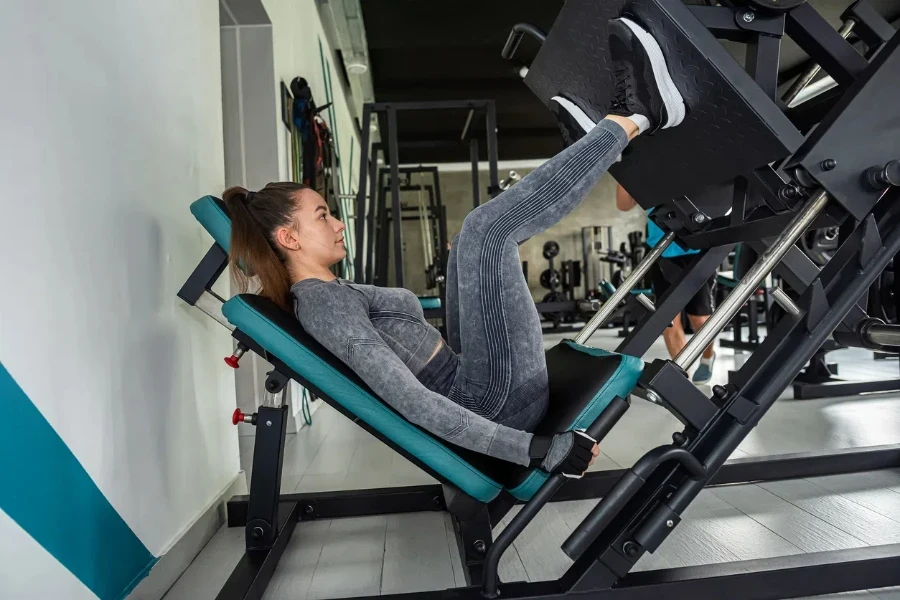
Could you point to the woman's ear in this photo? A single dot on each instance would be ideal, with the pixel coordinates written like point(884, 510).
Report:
point(287, 238)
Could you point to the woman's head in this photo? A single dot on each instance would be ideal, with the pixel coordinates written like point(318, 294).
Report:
point(281, 234)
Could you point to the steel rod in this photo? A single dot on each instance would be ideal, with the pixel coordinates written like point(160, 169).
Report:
point(645, 302)
point(748, 285)
point(465, 129)
point(884, 335)
point(812, 70)
point(609, 307)
point(784, 301)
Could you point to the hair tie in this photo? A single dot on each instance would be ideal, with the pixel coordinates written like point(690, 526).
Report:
point(249, 197)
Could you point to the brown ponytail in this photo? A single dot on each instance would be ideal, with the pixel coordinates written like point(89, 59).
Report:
point(254, 251)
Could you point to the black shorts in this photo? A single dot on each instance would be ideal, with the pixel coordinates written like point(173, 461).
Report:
point(704, 301)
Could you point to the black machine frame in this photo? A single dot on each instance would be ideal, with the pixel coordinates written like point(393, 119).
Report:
point(641, 505)
point(378, 240)
point(366, 203)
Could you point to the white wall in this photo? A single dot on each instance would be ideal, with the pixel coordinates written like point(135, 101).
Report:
point(111, 125)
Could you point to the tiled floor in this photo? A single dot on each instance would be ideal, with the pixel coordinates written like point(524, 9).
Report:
point(405, 553)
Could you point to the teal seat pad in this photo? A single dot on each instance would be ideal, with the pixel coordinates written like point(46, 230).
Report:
point(430, 302)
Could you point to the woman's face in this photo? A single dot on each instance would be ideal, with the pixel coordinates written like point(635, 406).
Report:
point(318, 235)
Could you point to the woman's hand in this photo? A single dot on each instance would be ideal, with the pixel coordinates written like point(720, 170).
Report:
point(570, 454)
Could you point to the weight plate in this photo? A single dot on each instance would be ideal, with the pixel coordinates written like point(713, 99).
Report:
point(549, 279)
point(551, 249)
point(820, 245)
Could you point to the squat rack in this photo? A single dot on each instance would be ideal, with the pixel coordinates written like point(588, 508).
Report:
point(387, 115)
point(379, 236)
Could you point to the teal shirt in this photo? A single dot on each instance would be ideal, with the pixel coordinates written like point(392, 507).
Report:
point(655, 234)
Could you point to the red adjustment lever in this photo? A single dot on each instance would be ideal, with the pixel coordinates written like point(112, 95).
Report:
point(232, 361)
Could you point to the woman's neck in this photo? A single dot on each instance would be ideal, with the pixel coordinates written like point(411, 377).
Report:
point(301, 272)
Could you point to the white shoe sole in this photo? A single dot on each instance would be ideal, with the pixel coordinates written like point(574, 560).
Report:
point(671, 97)
point(581, 118)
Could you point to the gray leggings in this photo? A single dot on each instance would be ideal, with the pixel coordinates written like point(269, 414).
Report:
point(492, 322)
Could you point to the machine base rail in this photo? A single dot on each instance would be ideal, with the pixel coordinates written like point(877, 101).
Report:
point(842, 387)
point(756, 469)
point(253, 572)
point(768, 578)
point(357, 503)
point(349, 503)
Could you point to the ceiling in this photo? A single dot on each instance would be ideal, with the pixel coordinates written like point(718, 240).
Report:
point(420, 51)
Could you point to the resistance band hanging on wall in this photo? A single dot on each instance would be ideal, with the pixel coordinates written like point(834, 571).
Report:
point(309, 137)
point(315, 158)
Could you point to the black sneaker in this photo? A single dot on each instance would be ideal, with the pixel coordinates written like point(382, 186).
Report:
point(573, 122)
point(643, 83)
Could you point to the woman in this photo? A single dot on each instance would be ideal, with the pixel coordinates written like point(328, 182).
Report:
point(486, 388)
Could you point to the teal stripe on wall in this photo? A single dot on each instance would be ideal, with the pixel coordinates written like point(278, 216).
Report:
point(50, 495)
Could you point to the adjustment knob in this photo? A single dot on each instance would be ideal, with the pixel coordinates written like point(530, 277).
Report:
point(237, 416)
point(886, 176)
point(232, 361)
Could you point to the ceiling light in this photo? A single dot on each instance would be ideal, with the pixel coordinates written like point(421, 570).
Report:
point(356, 66)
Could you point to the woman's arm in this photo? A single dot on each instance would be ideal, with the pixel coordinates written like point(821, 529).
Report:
point(624, 201)
point(349, 334)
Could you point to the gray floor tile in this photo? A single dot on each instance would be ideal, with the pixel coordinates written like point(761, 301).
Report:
point(459, 575)
point(416, 557)
point(351, 560)
point(694, 542)
point(297, 566)
point(871, 490)
point(321, 482)
point(210, 569)
point(539, 544)
point(800, 528)
point(855, 519)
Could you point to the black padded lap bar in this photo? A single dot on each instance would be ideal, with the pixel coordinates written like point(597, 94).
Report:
point(731, 126)
point(575, 378)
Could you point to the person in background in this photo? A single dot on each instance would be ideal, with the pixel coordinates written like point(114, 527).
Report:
point(699, 308)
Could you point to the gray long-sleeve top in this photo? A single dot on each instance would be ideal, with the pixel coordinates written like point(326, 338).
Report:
point(381, 333)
